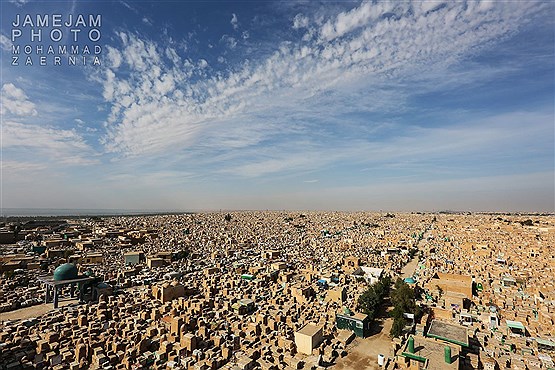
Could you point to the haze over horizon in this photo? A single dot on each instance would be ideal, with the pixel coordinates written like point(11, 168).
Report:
point(296, 105)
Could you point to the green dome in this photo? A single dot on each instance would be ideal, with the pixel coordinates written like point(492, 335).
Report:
point(67, 271)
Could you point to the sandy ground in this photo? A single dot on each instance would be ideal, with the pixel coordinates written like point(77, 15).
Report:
point(363, 353)
point(410, 268)
point(34, 311)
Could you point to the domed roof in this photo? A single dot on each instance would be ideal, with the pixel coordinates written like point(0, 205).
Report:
point(67, 271)
point(410, 280)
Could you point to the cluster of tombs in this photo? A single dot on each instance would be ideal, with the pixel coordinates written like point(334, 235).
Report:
point(490, 276)
point(278, 290)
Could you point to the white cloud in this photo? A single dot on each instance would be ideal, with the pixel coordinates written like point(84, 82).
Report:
point(234, 21)
point(64, 146)
point(16, 102)
point(17, 167)
point(114, 57)
point(19, 2)
point(300, 21)
point(202, 63)
point(166, 102)
point(125, 4)
point(5, 42)
point(408, 147)
point(229, 41)
point(356, 18)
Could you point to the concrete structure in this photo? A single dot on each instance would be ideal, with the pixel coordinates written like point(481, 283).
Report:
point(448, 332)
point(371, 274)
point(133, 258)
point(357, 323)
point(429, 354)
point(155, 262)
point(452, 283)
point(167, 292)
point(207, 327)
point(65, 275)
point(308, 338)
point(93, 258)
point(244, 306)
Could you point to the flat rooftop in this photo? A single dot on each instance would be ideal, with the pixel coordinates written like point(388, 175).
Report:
point(356, 316)
point(433, 352)
point(448, 332)
point(310, 329)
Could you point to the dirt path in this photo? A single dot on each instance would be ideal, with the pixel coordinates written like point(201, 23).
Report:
point(363, 353)
point(34, 311)
point(408, 270)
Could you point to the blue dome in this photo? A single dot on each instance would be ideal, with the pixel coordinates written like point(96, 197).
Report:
point(410, 280)
point(67, 271)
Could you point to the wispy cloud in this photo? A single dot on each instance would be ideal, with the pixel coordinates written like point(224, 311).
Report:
point(16, 102)
point(12, 168)
point(63, 146)
point(234, 21)
point(19, 3)
point(163, 102)
point(371, 94)
point(5, 42)
point(30, 145)
point(128, 6)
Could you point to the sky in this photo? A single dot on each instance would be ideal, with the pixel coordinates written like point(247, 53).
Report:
point(207, 105)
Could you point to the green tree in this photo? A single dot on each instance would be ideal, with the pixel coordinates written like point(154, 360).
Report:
point(397, 327)
point(404, 301)
point(369, 302)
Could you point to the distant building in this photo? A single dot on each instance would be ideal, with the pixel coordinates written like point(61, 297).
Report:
point(337, 294)
point(302, 294)
point(244, 306)
point(351, 264)
point(370, 274)
point(154, 262)
point(278, 266)
point(453, 283)
point(272, 254)
point(133, 258)
point(515, 329)
point(168, 291)
point(92, 258)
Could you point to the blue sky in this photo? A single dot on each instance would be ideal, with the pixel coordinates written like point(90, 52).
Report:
point(285, 105)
